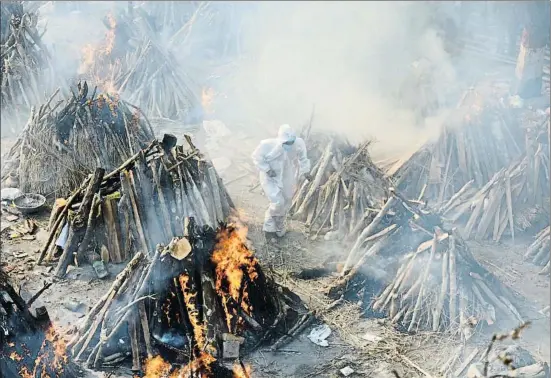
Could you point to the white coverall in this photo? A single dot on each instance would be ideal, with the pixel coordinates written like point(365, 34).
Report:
point(271, 154)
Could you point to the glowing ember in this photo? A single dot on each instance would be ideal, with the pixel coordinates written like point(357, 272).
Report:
point(233, 260)
point(14, 356)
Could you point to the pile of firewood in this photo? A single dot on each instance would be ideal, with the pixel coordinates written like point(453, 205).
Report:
point(134, 62)
point(138, 205)
point(478, 140)
point(25, 69)
point(539, 251)
point(58, 149)
point(345, 191)
point(516, 197)
point(199, 301)
point(431, 281)
point(29, 343)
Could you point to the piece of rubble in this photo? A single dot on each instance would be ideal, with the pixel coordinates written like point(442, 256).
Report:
point(371, 338)
point(12, 218)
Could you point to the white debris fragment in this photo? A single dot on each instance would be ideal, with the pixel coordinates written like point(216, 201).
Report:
point(346, 371)
point(371, 338)
point(319, 334)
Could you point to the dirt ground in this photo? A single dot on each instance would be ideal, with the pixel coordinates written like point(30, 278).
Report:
point(68, 299)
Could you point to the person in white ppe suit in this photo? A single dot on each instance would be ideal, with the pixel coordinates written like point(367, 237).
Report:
point(281, 162)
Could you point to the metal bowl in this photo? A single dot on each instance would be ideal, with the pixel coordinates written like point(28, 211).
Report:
point(29, 203)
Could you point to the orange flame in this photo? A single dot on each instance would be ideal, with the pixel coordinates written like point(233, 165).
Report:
point(96, 60)
point(157, 367)
point(241, 372)
point(233, 260)
point(193, 313)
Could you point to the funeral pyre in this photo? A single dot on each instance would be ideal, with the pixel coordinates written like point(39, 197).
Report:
point(30, 346)
point(134, 62)
point(192, 307)
point(25, 68)
point(408, 266)
point(345, 191)
point(516, 197)
point(136, 206)
point(57, 150)
point(479, 138)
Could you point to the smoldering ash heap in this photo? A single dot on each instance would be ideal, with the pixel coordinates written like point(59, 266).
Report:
point(30, 346)
point(431, 280)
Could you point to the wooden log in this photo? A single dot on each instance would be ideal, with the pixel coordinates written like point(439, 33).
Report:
point(113, 230)
point(315, 184)
point(87, 333)
point(368, 231)
point(145, 328)
point(127, 189)
point(84, 248)
point(443, 293)
point(509, 205)
point(453, 281)
point(78, 225)
point(216, 196)
point(133, 327)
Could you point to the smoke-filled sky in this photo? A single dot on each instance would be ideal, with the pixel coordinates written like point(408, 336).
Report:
point(349, 59)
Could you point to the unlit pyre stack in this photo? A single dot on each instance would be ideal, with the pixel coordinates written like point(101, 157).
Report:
point(478, 141)
point(25, 70)
point(30, 347)
point(135, 63)
point(538, 252)
point(187, 308)
point(515, 198)
point(58, 149)
point(345, 191)
point(423, 277)
point(138, 205)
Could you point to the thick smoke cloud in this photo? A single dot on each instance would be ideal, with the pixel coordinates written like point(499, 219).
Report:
point(350, 59)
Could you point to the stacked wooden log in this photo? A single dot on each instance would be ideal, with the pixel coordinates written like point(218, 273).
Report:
point(138, 205)
point(479, 139)
point(429, 279)
point(539, 251)
point(515, 198)
point(29, 343)
point(135, 63)
point(25, 69)
point(345, 191)
point(58, 149)
point(193, 301)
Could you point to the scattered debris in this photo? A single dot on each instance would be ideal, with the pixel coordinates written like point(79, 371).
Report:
point(346, 371)
point(319, 334)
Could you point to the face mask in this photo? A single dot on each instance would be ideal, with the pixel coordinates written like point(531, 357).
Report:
point(287, 147)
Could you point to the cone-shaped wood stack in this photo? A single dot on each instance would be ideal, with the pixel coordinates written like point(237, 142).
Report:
point(138, 205)
point(58, 149)
point(25, 67)
point(345, 191)
point(135, 63)
point(431, 280)
point(515, 198)
point(539, 251)
point(190, 302)
point(480, 139)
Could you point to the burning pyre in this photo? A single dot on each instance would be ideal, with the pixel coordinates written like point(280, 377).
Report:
point(187, 309)
point(30, 346)
point(58, 149)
